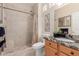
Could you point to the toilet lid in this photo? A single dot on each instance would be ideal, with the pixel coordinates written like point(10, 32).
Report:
point(38, 45)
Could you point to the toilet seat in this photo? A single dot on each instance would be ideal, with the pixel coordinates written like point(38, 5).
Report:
point(38, 45)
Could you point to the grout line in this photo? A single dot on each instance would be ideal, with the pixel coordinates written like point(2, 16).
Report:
point(2, 12)
point(2, 15)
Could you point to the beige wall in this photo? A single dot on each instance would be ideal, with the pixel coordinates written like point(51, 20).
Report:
point(19, 25)
point(67, 9)
point(64, 11)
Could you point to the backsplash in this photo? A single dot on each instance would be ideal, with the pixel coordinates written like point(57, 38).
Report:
point(76, 37)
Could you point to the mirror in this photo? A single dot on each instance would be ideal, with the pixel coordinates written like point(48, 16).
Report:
point(70, 22)
point(67, 17)
point(64, 21)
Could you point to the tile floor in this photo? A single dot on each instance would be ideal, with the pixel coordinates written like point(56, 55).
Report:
point(25, 51)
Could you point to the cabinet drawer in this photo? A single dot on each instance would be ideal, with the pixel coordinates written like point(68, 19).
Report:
point(51, 44)
point(65, 50)
point(62, 54)
point(74, 52)
point(50, 51)
point(69, 51)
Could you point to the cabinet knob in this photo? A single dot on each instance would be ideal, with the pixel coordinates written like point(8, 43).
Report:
point(49, 43)
point(72, 53)
point(56, 53)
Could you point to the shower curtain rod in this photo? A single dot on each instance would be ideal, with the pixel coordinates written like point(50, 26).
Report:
point(16, 10)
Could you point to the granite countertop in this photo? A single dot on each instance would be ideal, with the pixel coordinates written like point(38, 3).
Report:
point(74, 45)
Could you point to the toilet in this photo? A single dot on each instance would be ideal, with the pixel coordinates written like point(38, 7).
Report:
point(39, 46)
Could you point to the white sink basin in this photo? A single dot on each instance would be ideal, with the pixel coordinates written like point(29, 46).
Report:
point(64, 40)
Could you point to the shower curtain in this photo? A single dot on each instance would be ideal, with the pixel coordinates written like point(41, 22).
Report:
point(35, 29)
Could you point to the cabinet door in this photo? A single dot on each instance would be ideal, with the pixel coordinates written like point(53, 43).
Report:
point(50, 51)
point(51, 44)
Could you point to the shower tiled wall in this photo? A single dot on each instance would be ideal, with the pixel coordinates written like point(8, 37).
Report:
point(18, 25)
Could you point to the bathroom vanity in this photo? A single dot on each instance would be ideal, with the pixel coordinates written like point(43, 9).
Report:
point(54, 48)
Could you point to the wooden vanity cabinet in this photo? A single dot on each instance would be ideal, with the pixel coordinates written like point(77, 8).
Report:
point(62, 54)
point(51, 44)
point(50, 48)
point(69, 51)
point(55, 49)
point(50, 51)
